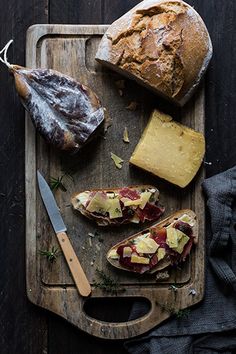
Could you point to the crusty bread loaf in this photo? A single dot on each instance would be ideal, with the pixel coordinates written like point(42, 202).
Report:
point(162, 44)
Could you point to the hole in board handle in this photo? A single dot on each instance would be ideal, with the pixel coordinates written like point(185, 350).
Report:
point(117, 309)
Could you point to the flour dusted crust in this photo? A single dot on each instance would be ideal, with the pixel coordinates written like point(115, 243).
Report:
point(163, 44)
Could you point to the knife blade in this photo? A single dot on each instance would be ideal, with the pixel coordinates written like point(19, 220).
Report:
point(81, 282)
point(50, 205)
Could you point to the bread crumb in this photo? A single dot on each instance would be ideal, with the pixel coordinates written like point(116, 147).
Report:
point(126, 135)
point(91, 234)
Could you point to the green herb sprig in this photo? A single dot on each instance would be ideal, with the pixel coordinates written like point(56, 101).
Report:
point(174, 287)
point(180, 313)
point(51, 255)
point(107, 284)
point(57, 182)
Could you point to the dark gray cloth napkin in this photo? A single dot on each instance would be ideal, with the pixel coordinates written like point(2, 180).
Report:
point(211, 325)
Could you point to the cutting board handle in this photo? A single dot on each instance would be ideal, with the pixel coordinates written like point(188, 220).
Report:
point(129, 329)
point(160, 304)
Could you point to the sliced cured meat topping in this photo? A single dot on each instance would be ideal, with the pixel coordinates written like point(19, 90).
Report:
point(184, 227)
point(150, 212)
point(119, 206)
point(134, 263)
point(187, 249)
point(142, 253)
point(160, 236)
point(129, 193)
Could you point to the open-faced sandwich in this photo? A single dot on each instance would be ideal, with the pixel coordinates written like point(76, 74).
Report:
point(118, 206)
point(163, 244)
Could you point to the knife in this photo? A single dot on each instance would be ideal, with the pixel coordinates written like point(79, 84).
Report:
point(80, 279)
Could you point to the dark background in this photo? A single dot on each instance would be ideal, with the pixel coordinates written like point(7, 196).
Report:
point(25, 328)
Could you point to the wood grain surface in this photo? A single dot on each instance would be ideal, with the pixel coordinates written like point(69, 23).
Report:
point(24, 327)
point(48, 46)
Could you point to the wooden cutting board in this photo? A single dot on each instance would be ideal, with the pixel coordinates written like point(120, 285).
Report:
point(71, 50)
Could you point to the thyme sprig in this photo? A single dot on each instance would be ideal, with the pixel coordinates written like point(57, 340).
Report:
point(51, 255)
point(107, 284)
point(174, 287)
point(184, 313)
point(56, 182)
point(179, 313)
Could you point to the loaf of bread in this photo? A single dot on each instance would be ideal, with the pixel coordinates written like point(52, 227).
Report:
point(162, 44)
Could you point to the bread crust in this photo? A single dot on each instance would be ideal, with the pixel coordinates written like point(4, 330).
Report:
point(165, 262)
point(162, 44)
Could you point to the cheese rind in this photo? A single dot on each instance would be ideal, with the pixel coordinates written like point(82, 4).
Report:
point(169, 150)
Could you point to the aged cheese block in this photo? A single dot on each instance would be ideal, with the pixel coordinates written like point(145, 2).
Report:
point(169, 150)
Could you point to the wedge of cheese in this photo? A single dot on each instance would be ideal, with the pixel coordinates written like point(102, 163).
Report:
point(169, 150)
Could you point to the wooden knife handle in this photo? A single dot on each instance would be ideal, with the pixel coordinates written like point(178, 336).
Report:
point(80, 279)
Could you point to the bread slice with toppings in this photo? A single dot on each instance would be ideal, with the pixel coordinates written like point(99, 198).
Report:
point(116, 206)
point(166, 243)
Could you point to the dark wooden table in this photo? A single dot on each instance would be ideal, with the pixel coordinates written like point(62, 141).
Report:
point(25, 328)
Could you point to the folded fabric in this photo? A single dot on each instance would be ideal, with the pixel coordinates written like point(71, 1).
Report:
point(199, 332)
point(221, 196)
